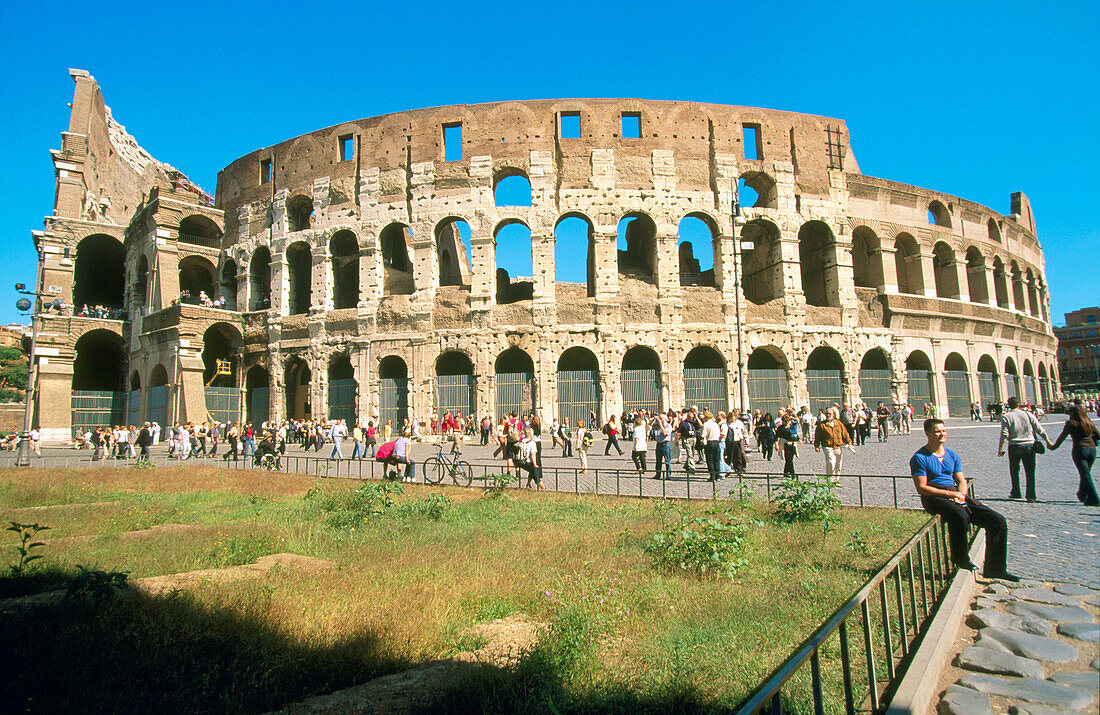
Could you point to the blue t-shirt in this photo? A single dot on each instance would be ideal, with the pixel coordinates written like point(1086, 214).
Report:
point(939, 473)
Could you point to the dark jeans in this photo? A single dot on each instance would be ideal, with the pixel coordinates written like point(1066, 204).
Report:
point(1018, 453)
point(788, 459)
point(612, 441)
point(664, 455)
point(1083, 457)
point(566, 447)
point(711, 451)
point(735, 456)
point(959, 518)
point(638, 456)
point(767, 449)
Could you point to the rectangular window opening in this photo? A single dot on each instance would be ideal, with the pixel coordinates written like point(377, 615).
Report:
point(265, 171)
point(452, 142)
point(632, 125)
point(750, 134)
point(347, 149)
point(570, 125)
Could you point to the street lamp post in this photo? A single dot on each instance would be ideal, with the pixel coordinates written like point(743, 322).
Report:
point(23, 450)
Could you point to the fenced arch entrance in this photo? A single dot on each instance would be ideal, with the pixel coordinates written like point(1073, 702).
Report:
point(705, 383)
point(454, 384)
point(157, 406)
point(221, 343)
point(987, 380)
point(876, 379)
point(393, 391)
point(133, 404)
point(956, 380)
point(258, 395)
point(1031, 395)
point(515, 383)
point(769, 381)
point(99, 379)
point(578, 385)
point(1011, 380)
point(825, 378)
point(918, 375)
point(296, 386)
point(640, 380)
point(342, 390)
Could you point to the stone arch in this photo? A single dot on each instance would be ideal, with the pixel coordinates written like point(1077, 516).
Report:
point(99, 273)
point(299, 270)
point(514, 261)
point(573, 235)
point(259, 279)
point(158, 376)
point(976, 284)
point(824, 377)
point(945, 272)
point(100, 362)
point(876, 378)
point(511, 187)
point(199, 230)
point(696, 231)
point(768, 379)
point(515, 383)
point(1044, 384)
point(907, 261)
point(395, 242)
point(938, 215)
point(344, 258)
point(918, 369)
point(296, 387)
point(1000, 283)
point(135, 380)
point(228, 285)
point(640, 379)
point(1032, 293)
point(818, 260)
point(988, 387)
point(994, 230)
point(756, 189)
point(637, 246)
point(1031, 394)
point(866, 258)
point(454, 383)
point(299, 213)
point(257, 383)
point(956, 379)
point(1019, 302)
point(393, 392)
point(705, 379)
point(343, 389)
point(452, 236)
point(141, 281)
point(196, 277)
point(579, 385)
point(761, 265)
point(221, 341)
point(1012, 385)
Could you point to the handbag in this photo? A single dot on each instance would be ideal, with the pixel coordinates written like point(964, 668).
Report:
point(1037, 447)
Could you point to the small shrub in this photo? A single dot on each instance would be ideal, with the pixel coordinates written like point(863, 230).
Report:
point(350, 508)
point(813, 500)
point(26, 532)
point(857, 543)
point(705, 545)
point(496, 484)
point(95, 586)
point(435, 507)
point(742, 496)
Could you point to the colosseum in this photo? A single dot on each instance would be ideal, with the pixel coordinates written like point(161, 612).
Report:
point(670, 253)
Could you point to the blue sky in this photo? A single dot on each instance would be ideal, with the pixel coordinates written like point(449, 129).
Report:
point(971, 101)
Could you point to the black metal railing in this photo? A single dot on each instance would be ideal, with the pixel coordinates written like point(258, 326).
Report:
point(891, 612)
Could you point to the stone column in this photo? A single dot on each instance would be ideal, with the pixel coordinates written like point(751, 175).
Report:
point(960, 272)
point(927, 272)
point(982, 277)
point(887, 255)
point(321, 282)
point(543, 267)
point(794, 299)
point(280, 284)
point(483, 287)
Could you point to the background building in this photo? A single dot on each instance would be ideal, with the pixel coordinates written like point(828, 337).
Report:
point(1079, 352)
point(359, 270)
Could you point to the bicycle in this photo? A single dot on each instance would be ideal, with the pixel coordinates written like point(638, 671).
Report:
point(441, 465)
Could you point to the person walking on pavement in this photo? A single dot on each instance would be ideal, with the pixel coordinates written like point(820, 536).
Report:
point(662, 445)
point(1083, 453)
point(612, 431)
point(940, 482)
point(1021, 431)
point(337, 434)
point(357, 437)
point(883, 415)
point(831, 437)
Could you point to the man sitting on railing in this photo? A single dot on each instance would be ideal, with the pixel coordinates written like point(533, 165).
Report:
point(938, 476)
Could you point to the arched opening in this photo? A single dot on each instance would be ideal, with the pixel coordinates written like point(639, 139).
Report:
point(1032, 294)
point(454, 384)
point(515, 383)
point(945, 272)
point(512, 189)
point(140, 295)
point(825, 378)
point(994, 230)
point(1044, 385)
point(296, 379)
point(976, 283)
point(1019, 302)
point(514, 261)
point(987, 381)
point(99, 379)
point(817, 257)
point(156, 409)
point(396, 243)
point(196, 275)
point(939, 216)
point(876, 379)
point(1000, 283)
point(133, 400)
point(866, 258)
point(640, 380)
point(768, 380)
point(696, 251)
point(344, 253)
point(200, 231)
point(393, 391)
point(908, 265)
point(299, 213)
point(957, 381)
point(343, 390)
point(755, 189)
point(1031, 395)
point(761, 264)
point(299, 265)
point(258, 395)
point(705, 383)
point(229, 284)
point(574, 237)
point(578, 386)
point(918, 375)
point(259, 280)
point(1012, 379)
point(221, 346)
point(452, 238)
point(99, 273)
point(637, 247)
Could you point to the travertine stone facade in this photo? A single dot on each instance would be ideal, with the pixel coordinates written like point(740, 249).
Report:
point(348, 245)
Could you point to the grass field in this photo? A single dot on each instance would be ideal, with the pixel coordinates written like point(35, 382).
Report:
point(619, 633)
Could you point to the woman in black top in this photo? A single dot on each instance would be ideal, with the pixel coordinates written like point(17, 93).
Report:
point(1084, 434)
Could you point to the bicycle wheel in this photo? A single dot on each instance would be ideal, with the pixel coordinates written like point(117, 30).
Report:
point(434, 470)
point(462, 474)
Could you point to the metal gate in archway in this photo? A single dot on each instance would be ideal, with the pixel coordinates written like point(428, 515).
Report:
point(578, 395)
point(920, 388)
point(705, 387)
point(768, 389)
point(454, 393)
point(393, 401)
point(876, 386)
point(1029, 389)
point(1044, 390)
point(223, 404)
point(641, 390)
point(259, 404)
point(341, 400)
point(987, 388)
point(515, 391)
point(97, 408)
point(157, 406)
point(825, 387)
point(957, 383)
point(133, 408)
point(1010, 386)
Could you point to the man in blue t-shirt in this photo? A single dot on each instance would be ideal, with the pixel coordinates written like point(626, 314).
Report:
point(938, 476)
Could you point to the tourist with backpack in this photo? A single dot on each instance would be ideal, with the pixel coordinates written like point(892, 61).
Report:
point(661, 434)
point(611, 429)
point(584, 442)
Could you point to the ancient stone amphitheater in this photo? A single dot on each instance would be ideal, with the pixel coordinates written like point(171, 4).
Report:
point(559, 255)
